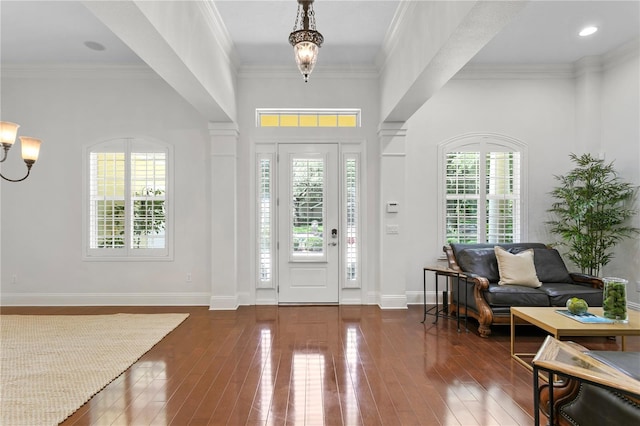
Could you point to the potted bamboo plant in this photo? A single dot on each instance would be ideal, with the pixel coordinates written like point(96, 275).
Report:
point(591, 212)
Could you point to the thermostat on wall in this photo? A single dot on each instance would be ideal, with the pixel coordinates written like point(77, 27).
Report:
point(392, 207)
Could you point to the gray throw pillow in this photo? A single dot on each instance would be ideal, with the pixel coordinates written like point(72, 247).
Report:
point(550, 267)
point(480, 261)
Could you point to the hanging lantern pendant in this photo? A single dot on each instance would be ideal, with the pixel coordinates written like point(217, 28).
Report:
point(305, 39)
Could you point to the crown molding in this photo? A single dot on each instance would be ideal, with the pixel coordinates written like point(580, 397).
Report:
point(392, 37)
point(473, 71)
point(621, 54)
point(320, 73)
point(83, 71)
point(627, 51)
point(219, 30)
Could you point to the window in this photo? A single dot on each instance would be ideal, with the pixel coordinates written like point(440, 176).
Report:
point(307, 203)
point(265, 220)
point(127, 197)
point(482, 190)
point(352, 218)
point(268, 117)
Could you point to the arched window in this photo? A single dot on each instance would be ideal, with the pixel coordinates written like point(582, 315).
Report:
point(482, 189)
point(127, 199)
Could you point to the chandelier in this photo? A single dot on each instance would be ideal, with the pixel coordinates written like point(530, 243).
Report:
point(30, 147)
point(305, 39)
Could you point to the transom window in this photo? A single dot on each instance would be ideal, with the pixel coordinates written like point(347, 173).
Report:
point(269, 117)
point(127, 187)
point(482, 187)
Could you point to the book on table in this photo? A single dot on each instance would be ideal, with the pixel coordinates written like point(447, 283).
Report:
point(586, 318)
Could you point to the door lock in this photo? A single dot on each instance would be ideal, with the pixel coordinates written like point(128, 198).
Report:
point(334, 233)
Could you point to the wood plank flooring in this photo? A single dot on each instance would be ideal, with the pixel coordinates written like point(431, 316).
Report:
point(320, 365)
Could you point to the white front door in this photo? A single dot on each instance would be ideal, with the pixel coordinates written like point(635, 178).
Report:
point(308, 223)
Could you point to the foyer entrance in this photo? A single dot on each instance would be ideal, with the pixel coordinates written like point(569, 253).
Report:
point(309, 235)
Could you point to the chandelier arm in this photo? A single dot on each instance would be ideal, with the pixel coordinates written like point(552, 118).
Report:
point(18, 180)
point(6, 147)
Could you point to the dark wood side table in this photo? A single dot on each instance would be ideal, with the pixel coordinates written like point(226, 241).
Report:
point(444, 312)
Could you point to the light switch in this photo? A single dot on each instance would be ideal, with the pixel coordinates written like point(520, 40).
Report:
point(393, 229)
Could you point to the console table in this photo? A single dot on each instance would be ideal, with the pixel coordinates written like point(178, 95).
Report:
point(444, 312)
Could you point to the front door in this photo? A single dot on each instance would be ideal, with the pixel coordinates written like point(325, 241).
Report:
point(308, 219)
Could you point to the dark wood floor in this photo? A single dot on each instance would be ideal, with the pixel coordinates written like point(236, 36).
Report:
point(348, 365)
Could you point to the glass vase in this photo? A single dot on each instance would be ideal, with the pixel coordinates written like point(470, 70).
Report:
point(614, 299)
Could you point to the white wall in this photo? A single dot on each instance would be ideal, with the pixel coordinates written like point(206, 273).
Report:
point(539, 109)
point(621, 143)
point(536, 111)
point(42, 217)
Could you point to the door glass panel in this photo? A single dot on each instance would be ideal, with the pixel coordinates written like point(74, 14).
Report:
point(308, 209)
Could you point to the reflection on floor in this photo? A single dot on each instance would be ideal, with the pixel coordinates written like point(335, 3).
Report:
point(331, 365)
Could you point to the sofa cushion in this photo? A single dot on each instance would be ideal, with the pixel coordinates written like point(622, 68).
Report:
point(479, 261)
point(559, 293)
point(550, 267)
point(517, 269)
point(515, 295)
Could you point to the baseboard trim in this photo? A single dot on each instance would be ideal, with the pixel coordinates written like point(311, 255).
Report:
point(417, 297)
point(104, 299)
point(393, 302)
point(223, 303)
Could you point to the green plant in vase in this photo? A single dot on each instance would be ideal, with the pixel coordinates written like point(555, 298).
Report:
point(614, 302)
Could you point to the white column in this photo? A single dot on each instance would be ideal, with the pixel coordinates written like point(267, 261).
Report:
point(392, 272)
point(224, 256)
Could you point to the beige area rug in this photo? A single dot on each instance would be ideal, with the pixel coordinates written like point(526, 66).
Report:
point(50, 365)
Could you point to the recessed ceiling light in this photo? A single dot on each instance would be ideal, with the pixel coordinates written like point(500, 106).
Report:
point(94, 45)
point(587, 31)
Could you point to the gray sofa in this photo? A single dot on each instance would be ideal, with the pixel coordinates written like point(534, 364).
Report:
point(490, 303)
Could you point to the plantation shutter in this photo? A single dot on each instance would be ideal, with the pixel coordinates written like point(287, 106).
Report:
point(482, 195)
point(462, 196)
point(265, 220)
point(127, 188)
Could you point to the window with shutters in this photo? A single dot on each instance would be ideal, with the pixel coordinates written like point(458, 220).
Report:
point(127, 191)
point(483, 193)
point(265, 219)
point(352, 214)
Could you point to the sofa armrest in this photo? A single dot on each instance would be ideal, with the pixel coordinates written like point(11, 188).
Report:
point(482, 283)
point(451, 259)
point(585, 279)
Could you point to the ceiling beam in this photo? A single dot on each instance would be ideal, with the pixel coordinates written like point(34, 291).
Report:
point(196, 63)
point(430, 43)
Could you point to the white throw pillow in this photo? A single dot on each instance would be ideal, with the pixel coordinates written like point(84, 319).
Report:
point(517, 269)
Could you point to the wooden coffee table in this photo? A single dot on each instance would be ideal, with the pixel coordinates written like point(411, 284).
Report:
point(558, 325)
